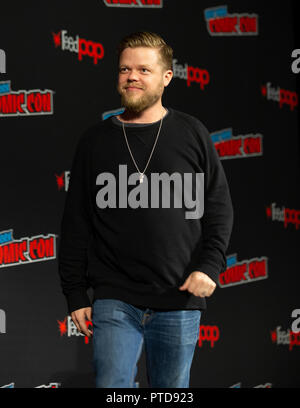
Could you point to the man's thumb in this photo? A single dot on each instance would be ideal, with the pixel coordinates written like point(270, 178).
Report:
point(183, 286)
point(89, 313)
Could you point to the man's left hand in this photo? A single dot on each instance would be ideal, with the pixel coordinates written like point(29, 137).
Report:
point(199, 284)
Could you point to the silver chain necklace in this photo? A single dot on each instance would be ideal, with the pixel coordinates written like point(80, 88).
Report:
point(142, 173)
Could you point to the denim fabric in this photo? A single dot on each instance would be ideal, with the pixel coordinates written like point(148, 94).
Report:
point(120, 330)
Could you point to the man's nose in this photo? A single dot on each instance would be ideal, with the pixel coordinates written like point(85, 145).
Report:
point(133, 76)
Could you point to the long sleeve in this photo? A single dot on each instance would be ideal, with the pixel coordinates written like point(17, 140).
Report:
point(217, 220)
point(76, 232)
point(141, 255)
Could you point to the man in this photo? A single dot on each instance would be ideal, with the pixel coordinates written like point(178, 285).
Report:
point(127, 232)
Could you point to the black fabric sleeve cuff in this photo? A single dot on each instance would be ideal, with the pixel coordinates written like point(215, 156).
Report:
point(77, 300)
point(210, 271)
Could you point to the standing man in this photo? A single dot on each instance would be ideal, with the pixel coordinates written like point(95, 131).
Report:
point(129, 230)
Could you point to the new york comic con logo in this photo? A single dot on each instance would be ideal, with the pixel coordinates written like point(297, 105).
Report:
point(25, 250)
point(237, 147)
point(24, 103)
point(134, 3)
point(220, 23)
point(246, 271)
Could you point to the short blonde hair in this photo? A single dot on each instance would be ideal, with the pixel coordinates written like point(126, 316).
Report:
point(151, 40)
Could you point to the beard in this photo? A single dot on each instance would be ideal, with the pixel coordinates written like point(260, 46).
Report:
point(135, 103)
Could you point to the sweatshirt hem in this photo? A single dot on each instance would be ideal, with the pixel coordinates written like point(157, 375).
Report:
point(183, 301)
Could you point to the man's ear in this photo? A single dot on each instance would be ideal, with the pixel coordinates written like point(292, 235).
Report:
point(168, 75)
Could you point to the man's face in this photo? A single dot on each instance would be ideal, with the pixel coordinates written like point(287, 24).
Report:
point(142, 78)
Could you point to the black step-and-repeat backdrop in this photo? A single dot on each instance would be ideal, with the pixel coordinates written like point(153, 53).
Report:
point(235, 68)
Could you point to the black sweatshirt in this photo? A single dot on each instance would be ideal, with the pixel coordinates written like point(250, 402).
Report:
point(142, 253)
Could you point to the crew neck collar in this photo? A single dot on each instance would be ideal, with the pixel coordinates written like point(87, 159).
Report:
point(115, 121)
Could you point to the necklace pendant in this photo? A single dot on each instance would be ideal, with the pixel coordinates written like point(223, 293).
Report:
point(141, 177)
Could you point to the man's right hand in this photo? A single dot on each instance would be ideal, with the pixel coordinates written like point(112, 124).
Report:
point(79, 318)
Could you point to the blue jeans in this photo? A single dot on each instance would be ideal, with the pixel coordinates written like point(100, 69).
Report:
point(119, 331)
